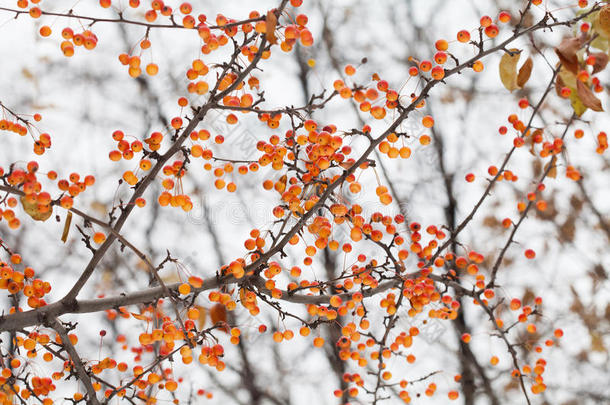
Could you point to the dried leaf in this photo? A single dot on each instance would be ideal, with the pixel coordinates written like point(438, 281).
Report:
point(218, 314)
point(568, 78)
point(168, 279)
point(508, 69)
point(203, 314)
point(99, 207)
point(599, 272)
point(141, 265)
point(577, 104)
point(566, 51)
point(559, 84)
point(64, 235)
point(577, 307)
point(604, 19)
point(601, 43)
point(528, 296)
point(601, 60)
point(529, 141)
point(270, 23)
point(552, 172)
point(576, 204)
point(525, 72)
point(491, 222)
point(32, 210)
point(597, 343)
point(587, 97)
point(141, 317)
point(27, 74)
point(567, 230)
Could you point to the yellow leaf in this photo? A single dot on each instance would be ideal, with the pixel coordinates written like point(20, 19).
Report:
point(568, 78)
point(32, 210)
point(577, 105)
point(64, 235)
point(508, 69)
point(601, 43)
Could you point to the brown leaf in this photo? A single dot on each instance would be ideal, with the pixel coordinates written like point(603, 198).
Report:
point(491, 222)
point(597, 342)
point(587, 97)
point(599, 273)
point(508, 69)
point(601, 60)
point(552, 172)
point(28, 74)
point(604, 19)
point(218, 314)
point(528, 296)
point(559, 84)
point(567, 230)
point(64, 235)
point(168, 279)
point(32, 210)
point(99, 207)
point(566, 51)
point(203, 313)
point(525, 72)
point(270, 23)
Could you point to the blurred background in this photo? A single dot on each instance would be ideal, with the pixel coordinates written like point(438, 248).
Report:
point(83, 99)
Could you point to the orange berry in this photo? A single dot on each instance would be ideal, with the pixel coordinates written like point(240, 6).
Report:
point(152, 69)
point(99, 238)
point(427, 121)
point(504, 16)
point(193, 313)
point(184, 289)
point(441, 45)
point(45, 31)
point(486, 21)
point(492, 31)
point(463, 36)
point(438, 73)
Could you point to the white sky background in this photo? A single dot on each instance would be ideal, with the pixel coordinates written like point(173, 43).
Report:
point(84, 98)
